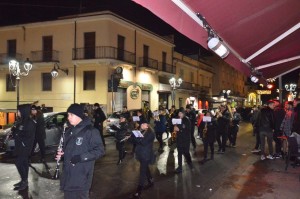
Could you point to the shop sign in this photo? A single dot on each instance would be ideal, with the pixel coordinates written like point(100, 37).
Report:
point(263, 92)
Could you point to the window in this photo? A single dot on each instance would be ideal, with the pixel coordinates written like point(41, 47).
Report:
point(89, 45)
point(46, 82)
point(121, 47)
point(47, 48)
point(181, 73)
point(192, 77)
point(146, 55)
point(89, 80)
point(12, 48)
point(164, 61)
point(10, 82)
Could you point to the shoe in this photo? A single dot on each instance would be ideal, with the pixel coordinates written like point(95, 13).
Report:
point(233, 146)
point(150, 183)
point(255, 151)
point(138, 192)
point(262, 157)
point(198, 137)
point(23, 186)
point(119, 162)
point(203, 161)
point(276, 155)
point(178, 170)
point(221, 152)
point(17, 184)
point(270, 157)
point(160, 150)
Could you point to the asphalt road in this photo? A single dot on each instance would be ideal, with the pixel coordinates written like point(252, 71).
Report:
point(236, 174)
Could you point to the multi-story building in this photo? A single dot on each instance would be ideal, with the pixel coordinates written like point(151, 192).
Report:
point(86, 50)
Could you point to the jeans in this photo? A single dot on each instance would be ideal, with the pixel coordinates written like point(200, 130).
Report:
point(22, 166)
point(269, 135)
point(206, 143)
point(187, 156)
point(159, 138)
point(120, 147)
point(144, 172)
point(76, 194)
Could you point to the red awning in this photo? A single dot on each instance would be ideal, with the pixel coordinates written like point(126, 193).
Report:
point(246, 26)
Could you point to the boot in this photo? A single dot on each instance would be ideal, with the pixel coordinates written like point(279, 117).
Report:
point(23, 186)
point(150, 183)
point(17, 184)
point(119, 162)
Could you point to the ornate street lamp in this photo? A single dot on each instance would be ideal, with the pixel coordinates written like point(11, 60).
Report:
point(291, 88)
point(14, 69)
point(174, 84)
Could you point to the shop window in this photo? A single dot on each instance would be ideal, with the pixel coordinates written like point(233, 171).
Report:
point(89, 82)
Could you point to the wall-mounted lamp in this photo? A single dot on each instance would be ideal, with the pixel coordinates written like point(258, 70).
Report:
point(218, 47)
point(54, 71)
point(254, 79)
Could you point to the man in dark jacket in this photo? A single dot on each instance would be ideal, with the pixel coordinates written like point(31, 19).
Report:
point(234, 127)
point(23, 132)
point(192, 117)
point(40, 133)
point(296, 123)
point(223, 120)
point(279, 114)
point(183, 140)
point(82, 146)
point(266, 125)
point(99, 118)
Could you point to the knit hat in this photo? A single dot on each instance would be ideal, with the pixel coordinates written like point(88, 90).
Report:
point(181, 109)
point(33, 107)
point(76, 109)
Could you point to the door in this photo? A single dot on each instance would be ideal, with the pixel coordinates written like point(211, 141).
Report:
point(164, 61)
point(146, 55)
point(47, 48)
point(89, 45)
point(12, 48)
point(121, 47)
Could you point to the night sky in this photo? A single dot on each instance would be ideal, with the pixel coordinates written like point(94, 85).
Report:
point(25, 11)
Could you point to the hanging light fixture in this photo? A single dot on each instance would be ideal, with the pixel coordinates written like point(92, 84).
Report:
point(254, 79)
point(218, 47)
point(54, 71)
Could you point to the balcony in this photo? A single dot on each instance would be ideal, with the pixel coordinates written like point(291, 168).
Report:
point(148, 63)
point(45, 56)
point(5, 57)
point(103, 52)
point(168, 68)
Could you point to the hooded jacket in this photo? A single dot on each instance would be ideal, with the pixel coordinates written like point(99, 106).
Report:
point(24, 131)
point(83, 141)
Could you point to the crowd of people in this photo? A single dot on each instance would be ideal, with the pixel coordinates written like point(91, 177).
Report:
point(83, 140)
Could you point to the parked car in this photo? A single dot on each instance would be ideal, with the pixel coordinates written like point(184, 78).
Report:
point(54, 122)
point(113, 119)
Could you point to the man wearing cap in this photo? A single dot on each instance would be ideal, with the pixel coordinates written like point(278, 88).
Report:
point(40, 133)
point(82, 146)
point(99, 118)
point(183, 140)
point(266, 124)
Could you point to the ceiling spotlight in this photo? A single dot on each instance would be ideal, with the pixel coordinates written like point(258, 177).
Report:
point(218, 47)
point(269, 86)
point(254, 79)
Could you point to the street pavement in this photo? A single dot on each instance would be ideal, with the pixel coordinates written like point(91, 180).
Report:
point(236, 174)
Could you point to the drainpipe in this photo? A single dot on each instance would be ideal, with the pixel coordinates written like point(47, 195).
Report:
point(75, 58)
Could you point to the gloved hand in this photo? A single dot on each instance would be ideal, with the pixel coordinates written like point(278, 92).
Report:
point(75, 159)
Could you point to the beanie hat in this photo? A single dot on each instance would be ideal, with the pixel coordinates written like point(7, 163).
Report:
point(181, 109)
point(76, 109)
point(33, 107)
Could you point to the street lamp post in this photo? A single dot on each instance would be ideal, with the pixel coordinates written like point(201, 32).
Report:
point(14, 69)
point(174, 84)
point(291, 88)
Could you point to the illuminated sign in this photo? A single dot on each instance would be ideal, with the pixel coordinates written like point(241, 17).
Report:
point(263, 92)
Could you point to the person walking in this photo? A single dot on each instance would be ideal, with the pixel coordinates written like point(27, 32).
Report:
point(266, 128)
point(160, 128)
point(145, 155)
point(255, 129)
point(99, 118)
point(296, 122)
point(82, 146)
point(40, 133)
point(234, 127)
point(209, 136)
point(23, 132)
point(183, 140)
point(223, 121)
point(121, 133)
point(192, 117)
point(279, 114)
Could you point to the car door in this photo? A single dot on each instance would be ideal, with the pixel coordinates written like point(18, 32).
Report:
point(54, 128)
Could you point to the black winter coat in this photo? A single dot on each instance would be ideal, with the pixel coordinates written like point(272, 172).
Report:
point(84, 141)
point(183, 136)
point(99, 117)
point(211, 131)
point(224, 121)
point(265, 119)
point(279, 114)
point(144, 145)
point(24, 132)
point(121, 131)
point(40, 133)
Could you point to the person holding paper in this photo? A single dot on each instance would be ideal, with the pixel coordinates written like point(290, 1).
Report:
point(192, 117)
point(121, 132)
point(144, 154)
point(183, 140)
point(209, 135)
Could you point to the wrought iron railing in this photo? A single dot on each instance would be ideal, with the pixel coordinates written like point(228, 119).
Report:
point(103, 52)
point(45, 56)
point(5, 57)
point(166, 67)
point(148, 63)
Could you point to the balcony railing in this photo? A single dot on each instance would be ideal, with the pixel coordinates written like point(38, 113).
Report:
point(45, 56)
point(166, 68)
point(148, 63)
point(5, 57)
point(103, 52)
